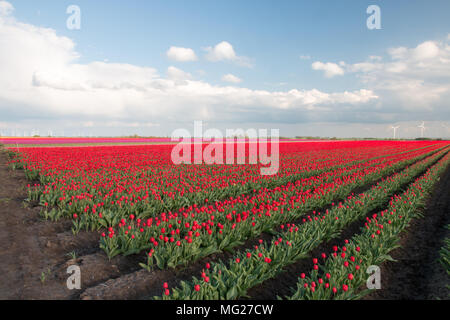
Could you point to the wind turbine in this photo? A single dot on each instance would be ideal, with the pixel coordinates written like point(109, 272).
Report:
point(395, 130)
point(422, 128)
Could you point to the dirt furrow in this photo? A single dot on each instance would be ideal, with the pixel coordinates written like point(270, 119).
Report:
point(33, 248)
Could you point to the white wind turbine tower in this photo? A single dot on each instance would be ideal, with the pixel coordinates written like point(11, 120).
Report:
point(395, 130)
point(422, 128)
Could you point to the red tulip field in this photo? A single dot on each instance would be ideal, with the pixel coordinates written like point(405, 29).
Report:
point(141, 227)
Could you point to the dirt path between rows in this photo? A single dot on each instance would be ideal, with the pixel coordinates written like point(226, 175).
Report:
point(31, 248)
point(20, 251)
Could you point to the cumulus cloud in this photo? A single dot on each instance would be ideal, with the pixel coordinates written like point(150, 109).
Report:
point(95, 75)
point(364, 67)
point(6, 8)
point(181, 54)
point(416, 78)
point(375, 58)
point(178, 74)
point(426, 50)
point(330, 69)
point(411, 79)
point(224, 51)
point(231, 78)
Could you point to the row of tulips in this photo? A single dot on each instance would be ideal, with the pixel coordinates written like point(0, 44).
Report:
point(343, 275)
point(198, 231)
point(107, 197)
point(231, 280)
point(48, 163)
point(142, 181)
point(111, 218)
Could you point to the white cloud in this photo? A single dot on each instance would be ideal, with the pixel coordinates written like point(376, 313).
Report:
point(6, 8)
point(395, 67)
point(181, 54)
point(96, 75)
point(425, 50)
point(415, 78)
point(224, 51)
point(305, 57)
point(178, 76)
point(331, 69)
point(363, 67)
point(375, 58)
point(398, 53)
point(231, 78)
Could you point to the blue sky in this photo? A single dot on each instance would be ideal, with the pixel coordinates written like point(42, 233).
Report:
point(279, 42)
